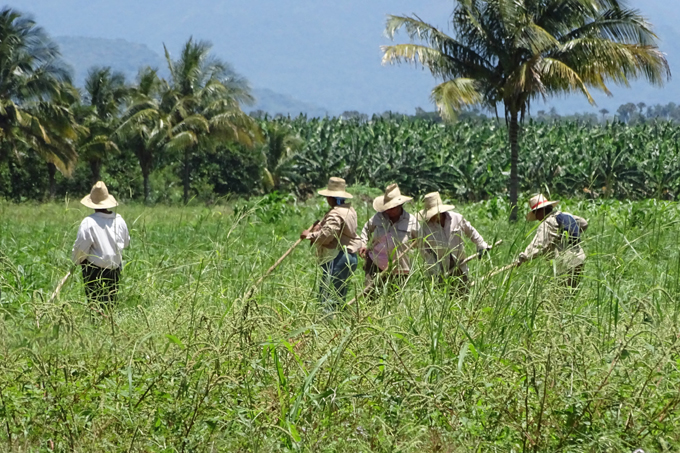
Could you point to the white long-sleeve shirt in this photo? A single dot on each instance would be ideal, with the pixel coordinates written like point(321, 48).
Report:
point(101, 239)
point(441, 242)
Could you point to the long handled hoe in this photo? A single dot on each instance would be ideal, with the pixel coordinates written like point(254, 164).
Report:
point(252, 289)
point(56, 292)
point(474, 255)
point(498, 271)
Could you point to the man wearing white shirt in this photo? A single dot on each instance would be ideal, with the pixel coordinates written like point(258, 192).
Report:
point(442, 233)
point(101, 239)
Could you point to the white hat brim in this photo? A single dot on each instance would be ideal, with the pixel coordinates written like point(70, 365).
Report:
point(427, 214)
point(335, 193)
point(107, 203)
point(380, 206)
point(531, 215)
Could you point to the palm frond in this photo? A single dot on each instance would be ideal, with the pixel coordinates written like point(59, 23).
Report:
point(182, 141)
point(453, 95)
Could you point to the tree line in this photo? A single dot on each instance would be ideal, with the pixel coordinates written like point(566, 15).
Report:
point(46, 121)
point(192, 125)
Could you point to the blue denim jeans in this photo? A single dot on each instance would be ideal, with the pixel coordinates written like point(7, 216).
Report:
point(336, 273)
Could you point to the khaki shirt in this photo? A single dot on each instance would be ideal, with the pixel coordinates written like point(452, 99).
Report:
point(439, 243)
point(548, 241)
point(386, 240)
point(337, 229)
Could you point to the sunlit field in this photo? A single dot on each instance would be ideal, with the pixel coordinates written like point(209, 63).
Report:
point(183, 363)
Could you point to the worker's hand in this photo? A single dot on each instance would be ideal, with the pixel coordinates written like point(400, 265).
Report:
point(304, 234)
point(522, 259)
point(363, 251)
point(482, 252)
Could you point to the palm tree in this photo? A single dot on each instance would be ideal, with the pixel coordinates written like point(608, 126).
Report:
point(280, 147)
point(204, 99)
point(104, 94)
point(63, 131)
point(32, 80)
point(145, 126)
point(512, 52)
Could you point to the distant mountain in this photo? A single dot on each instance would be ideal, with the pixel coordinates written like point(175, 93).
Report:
point(124, 56)
point(128, 57)
point(275, 103)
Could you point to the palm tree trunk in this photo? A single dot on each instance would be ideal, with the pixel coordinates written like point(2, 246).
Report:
point(145, 175)
point(51, 174)
point(513, 131)
point(186, 176)
point(96, 170)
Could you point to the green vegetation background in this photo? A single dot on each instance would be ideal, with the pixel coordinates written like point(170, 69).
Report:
point(468, 160)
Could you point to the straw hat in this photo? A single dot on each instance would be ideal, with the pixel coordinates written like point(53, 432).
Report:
point(537, 202)
point(391, 199)
point(336, 188)
point(434, 206)
point(99, 197)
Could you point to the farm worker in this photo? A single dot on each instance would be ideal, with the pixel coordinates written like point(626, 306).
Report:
point(101, 238)
point(337, 244)
point(558, 237)
point(442, 235)
point(385, 236)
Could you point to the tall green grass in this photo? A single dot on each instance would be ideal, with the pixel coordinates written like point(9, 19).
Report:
point(184, 364)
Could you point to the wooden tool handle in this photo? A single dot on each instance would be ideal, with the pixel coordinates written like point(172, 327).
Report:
point(59, 286)
point(252, 289)
point(497, 271)
point(474, 255)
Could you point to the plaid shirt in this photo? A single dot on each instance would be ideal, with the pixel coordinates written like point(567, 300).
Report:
point(380, 232)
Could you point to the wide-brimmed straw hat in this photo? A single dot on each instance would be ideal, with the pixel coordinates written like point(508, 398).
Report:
point(99, 197)
point(537, 202)
point(391, 199)
point(336, 188)
point(433, 206)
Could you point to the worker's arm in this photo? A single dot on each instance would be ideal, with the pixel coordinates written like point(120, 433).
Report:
point(366, 233)
point(540, 244)
point(331, 228)
point(125, 233)
point(473, 235)
point(81, 248)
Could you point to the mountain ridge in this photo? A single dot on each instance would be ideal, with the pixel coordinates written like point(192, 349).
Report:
point(82, 53)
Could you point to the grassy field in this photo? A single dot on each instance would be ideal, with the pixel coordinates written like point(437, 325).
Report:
point(184, 364)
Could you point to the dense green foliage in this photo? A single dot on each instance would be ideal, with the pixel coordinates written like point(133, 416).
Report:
point(182, 365)
point(186, 136)
point(467, 160)
point(470, 160)
point(197, 110)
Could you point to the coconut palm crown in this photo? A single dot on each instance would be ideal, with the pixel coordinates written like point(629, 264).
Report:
point(512, 52)
point(33, 78)
point(204, 97)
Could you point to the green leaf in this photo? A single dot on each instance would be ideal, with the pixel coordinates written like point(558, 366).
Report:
point(175, 340)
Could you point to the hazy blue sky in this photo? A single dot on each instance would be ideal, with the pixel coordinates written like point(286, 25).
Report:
point(320, 51)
